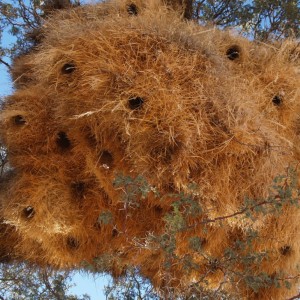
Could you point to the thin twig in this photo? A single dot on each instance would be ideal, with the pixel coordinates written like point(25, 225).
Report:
point(5, 63)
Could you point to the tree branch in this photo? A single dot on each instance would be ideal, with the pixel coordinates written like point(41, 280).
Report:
point(48, 285)
point(5, 63)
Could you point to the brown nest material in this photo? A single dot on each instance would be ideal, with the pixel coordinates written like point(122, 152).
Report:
point(122, 108)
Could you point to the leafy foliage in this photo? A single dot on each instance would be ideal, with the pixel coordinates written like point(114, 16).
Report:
point(263, 20)
point(239, 261)
point(20, 281)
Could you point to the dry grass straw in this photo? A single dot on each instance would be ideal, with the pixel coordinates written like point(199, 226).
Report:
point(108, 94)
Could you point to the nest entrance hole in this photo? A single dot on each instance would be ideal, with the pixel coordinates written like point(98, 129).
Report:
point(233, 52)
point(78, 188)
point(72, 243)
point(132, 9)
point(277, 100)
point(106, 160)
point(28, 212)
point(115, 232)
point(68, 68)
point(286, 250)
point(19, 120)
point(135, 103)
point(62, 141)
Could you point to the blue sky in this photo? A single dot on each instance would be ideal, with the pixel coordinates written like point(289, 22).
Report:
point(89, 284)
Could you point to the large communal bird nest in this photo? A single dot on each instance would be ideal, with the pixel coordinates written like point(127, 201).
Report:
point(136, 138)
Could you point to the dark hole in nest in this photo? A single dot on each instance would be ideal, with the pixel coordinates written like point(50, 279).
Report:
point(28, 212)
point(68, 68)
point(63, 141)
point(72, 243)
point(78, 189)
point(106, 159)
point(115, 232)
point(233, 52)
point(19, 120)
point(158, 209)
point(135, 103)
point(132, 9)
point(277, 100)
point(285, 250)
